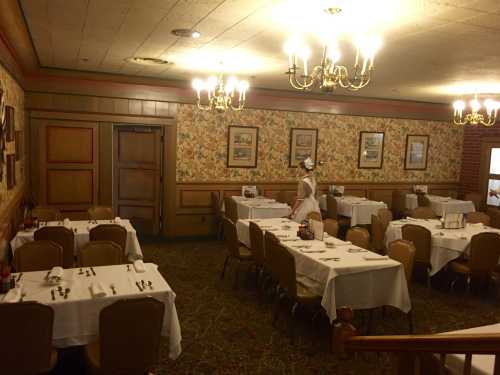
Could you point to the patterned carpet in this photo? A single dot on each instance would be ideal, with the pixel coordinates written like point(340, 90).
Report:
point(228, 331)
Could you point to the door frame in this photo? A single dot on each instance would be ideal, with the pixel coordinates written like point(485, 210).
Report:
point(487, 143)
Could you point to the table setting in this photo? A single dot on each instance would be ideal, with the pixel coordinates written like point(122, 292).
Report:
point(260, 208)
point(442, 205)
point(359, 209)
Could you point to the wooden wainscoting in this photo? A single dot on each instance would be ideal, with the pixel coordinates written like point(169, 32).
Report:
point(10, 219)
point(193, 213)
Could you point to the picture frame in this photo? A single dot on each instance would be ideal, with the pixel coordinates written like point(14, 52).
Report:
point(242, 146)
point(11, 171)
point(416, 151)
point(371, 150)
point(9, 124)
point(303, 144)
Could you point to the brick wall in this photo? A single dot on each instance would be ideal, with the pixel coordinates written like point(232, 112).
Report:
point(471, 156)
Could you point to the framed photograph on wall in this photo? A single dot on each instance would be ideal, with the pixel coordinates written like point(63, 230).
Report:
point(242, 146)
point(303, 144)
point(11, 171)
point(371, 150)
point(417, 147)
point(9, 124)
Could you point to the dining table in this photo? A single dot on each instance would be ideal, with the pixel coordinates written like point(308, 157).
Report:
point(76, 308)
point(446, 244)
point(260, 208)
point(442, 205)
point(342, 273)
point(81, 229)
point(359, 209)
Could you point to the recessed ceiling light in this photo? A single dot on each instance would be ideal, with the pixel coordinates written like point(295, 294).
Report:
point(148, 61)
point(333, 10)
point(186, 33)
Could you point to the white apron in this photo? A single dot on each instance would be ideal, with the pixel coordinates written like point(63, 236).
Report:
point(309, 202)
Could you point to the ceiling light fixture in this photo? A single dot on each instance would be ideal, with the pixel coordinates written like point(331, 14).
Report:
point(475, 117)
point(329, 75)
point(186, 33)
point(148, 61)
point(220, 93)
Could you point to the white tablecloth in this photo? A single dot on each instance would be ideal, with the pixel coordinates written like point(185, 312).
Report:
point(441, 205)
point(350, 281)
point(481, 364)
point(76, 319)
point(260, 208)
point(360, 210)
point(446, 245)
point(81, 229)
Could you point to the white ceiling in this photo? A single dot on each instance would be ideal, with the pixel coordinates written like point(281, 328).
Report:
point(432, 48)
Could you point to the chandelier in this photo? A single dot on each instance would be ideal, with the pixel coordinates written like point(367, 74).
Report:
point(329, 75)
point(488, 117)
point(221, 95)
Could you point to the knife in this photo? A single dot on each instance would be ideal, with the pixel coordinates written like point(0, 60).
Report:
point(92, 269)
point(138, 286)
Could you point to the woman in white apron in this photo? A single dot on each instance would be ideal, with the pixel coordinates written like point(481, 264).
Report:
point(306, 194)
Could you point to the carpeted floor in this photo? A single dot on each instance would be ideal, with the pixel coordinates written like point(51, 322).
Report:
point(228, 331)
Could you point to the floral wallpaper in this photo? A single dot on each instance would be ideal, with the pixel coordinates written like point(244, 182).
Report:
point(202, 147)
point(15, 98)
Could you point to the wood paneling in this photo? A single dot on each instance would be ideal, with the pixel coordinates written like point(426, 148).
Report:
point(137, 184)
point(69, 144)
point(137, 147)
point(194, 198)
point(70, 187)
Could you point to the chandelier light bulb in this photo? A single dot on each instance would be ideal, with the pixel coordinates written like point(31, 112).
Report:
point(458, 105)
point(475, 105)
point(490, 105)
point(243, 86)
point(198, 84)
point(231, 84)
point(334, 53)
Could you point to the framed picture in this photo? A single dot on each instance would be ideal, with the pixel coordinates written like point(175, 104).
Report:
point(11, 171)
point(303, 144)
point(9, 124)
point(242, 146)
point(371, 150)
point(417, 147)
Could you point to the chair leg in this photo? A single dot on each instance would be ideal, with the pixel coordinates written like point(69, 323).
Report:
point(292, 322)
point(410, 321)
point(276, 308)
point(224, 268)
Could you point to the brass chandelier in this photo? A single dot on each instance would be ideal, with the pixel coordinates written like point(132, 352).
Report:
point(330, 75)
point(488, 117)
point(221, 94)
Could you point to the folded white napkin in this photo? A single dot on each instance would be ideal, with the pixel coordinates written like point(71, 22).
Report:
point(66, 222)
point(342, 243)
point(118, 220)
point(375, 257)
point(56, 273)
point(97, 289)
point(14, 294)
point(139, 266)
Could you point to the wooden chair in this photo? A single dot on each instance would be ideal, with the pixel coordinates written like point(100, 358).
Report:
point(129, 337)
point(217, 212)
point(331, 209)
point(478, 201)
point(27, 330)
point(313, 215)
point(404, 252)
point(398, 204)
point(38, 256)
point(110, 232)
point(101, 213)
point(100, 253)
point(421, 238)
point(378, 235)
point(331, 227)
point(494, 214)
point(257, 244)
point(478, 217)
point(359, 237)
point(62, 236)
point(236, 250)
point(422, 200)
point(231, 209)
point(484, 254)
point(423, 213)
point(291, 289)
point(385, 216)
point(46, 213)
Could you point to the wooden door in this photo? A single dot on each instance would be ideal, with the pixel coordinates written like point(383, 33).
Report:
point(137, 176)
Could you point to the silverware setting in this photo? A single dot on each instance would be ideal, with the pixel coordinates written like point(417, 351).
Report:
point(313, 252)
point(93, 272)
point(354, 250)
point(143, 285)
point(113, 289)
point(128, 267)
point(19, 277)
point(327, 259)
point(66, 292)
point(53, 294)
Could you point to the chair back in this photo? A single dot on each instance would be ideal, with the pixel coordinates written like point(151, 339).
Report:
point(257, 243)
point(359, 237)
point(421, 239)
point(331, 226)
point(101, 213)
point(478, 217)
point(331, 207)
point(484, 252)
point(287, 277)
point(231, 209)
point(61, 236)
point(27, 332)
point(494, 214)
point(231, 237)
point(100, 253)
point(378, 234)
point(398, 204)
point(314, 215)
point(46, 213)
point(271, 260)
point(385, 216)
point(216, 206)
point(38, 256)
point(423, 213)
point(477, 199)
point(422, 200)
point(404, 252)
point(129, 332)
point(109, 232)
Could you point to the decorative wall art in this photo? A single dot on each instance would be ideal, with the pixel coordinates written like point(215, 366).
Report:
point(242, 146)
point(417, 147)
point(303, 144)
point(371, 150)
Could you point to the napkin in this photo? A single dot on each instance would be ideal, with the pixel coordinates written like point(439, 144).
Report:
point(118, 220)
point(97, 290)
point(66, 222)
point(375, 257)
point(14, 294)
point(139, 266)
point(56, 272)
